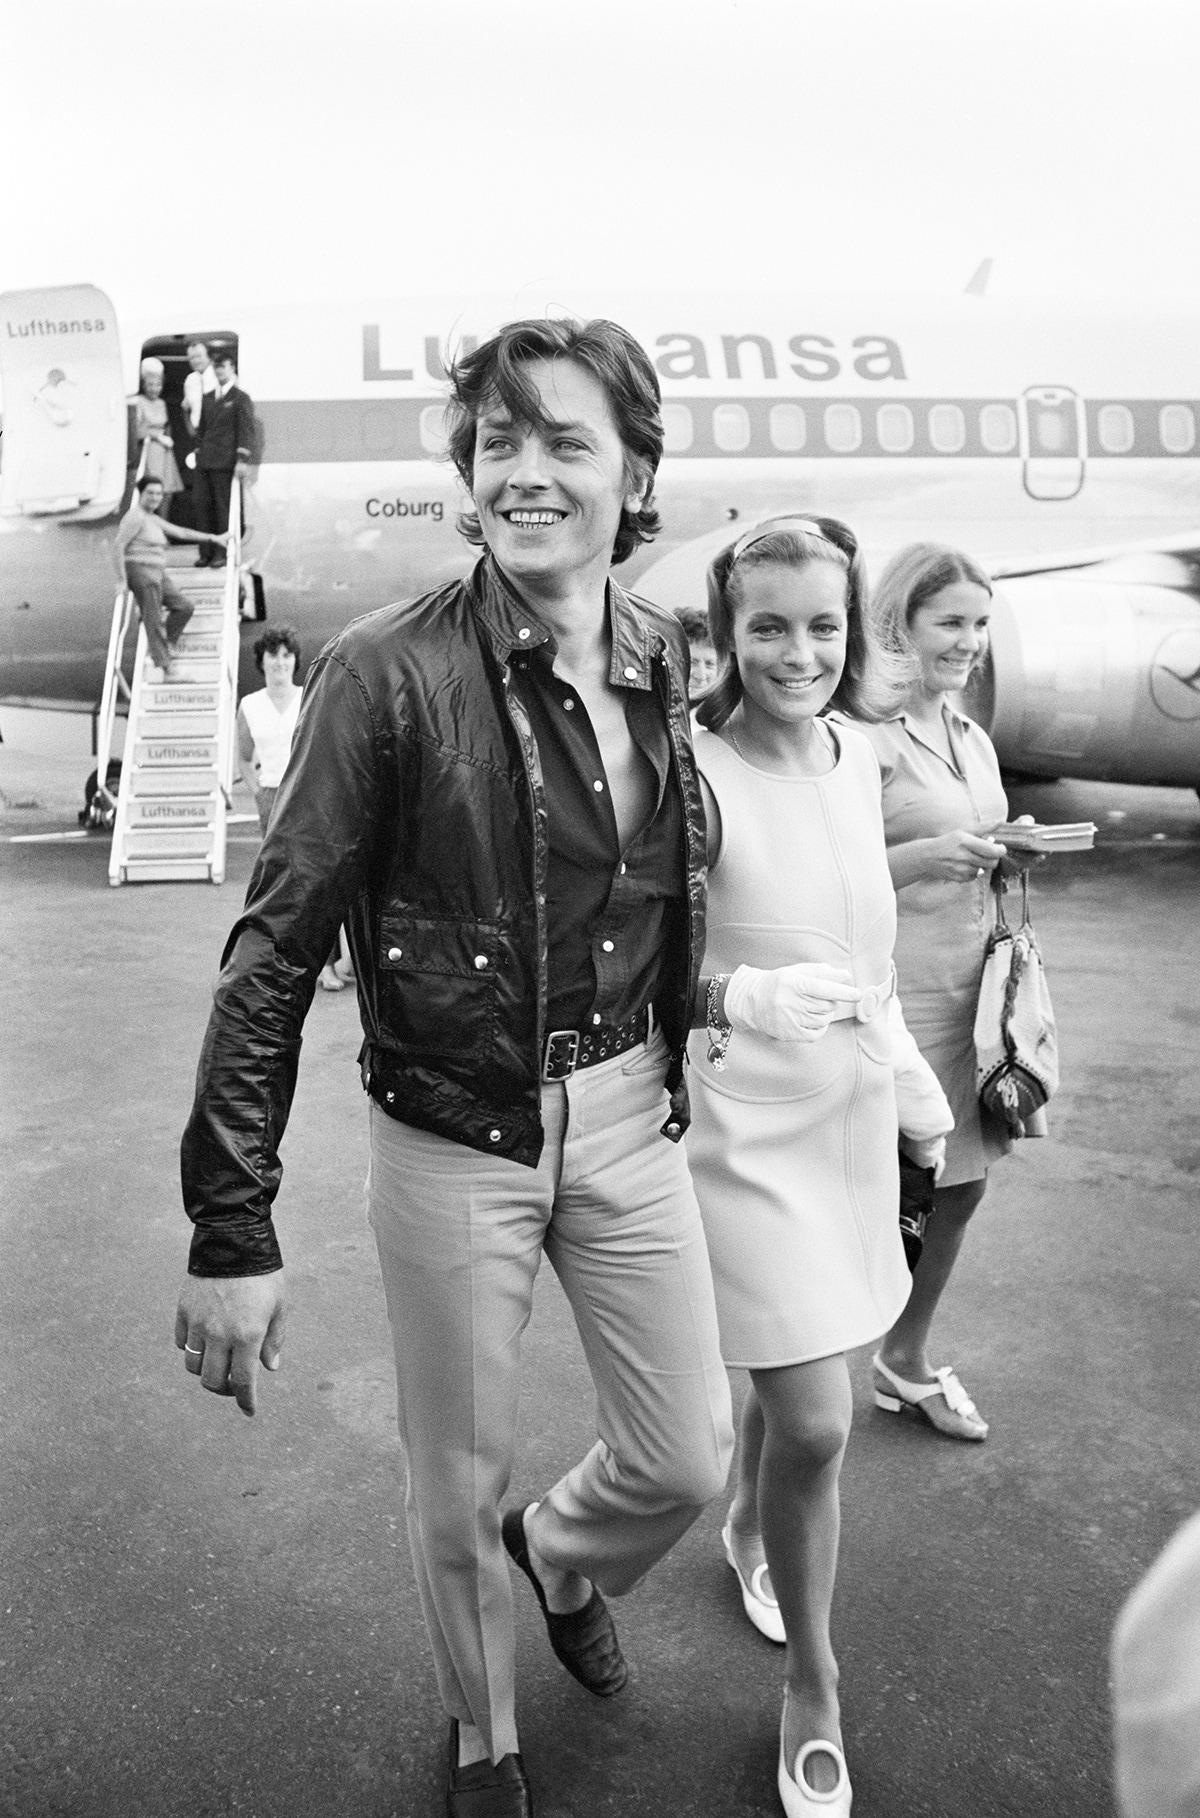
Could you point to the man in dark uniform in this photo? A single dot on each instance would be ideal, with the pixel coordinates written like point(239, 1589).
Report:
point(223, 452)
point(493, 787)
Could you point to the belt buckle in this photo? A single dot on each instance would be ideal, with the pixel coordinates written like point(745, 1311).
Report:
point(561, 1054)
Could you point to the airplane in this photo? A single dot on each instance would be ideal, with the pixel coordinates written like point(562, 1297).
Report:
point(1060, 450)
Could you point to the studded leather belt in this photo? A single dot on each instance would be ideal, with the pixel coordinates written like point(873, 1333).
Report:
point(567, 1050)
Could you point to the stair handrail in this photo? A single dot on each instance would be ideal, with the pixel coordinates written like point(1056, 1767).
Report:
point(230, 643)
point(114, 684)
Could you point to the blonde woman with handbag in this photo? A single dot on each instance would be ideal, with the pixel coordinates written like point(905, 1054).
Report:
point(942, 796)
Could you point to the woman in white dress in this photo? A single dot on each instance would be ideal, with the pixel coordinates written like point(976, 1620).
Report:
point(795, 1083)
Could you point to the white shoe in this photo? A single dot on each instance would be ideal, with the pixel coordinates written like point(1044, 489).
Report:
point(958, 1419)
point(759, 1605)
point(799, 1799)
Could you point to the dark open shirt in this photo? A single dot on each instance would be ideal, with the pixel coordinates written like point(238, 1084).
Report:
point(609, 912)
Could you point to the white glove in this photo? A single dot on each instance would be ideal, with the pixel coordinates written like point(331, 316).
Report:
point(927, 1152)
point(921, 1105)
point(790, 1004)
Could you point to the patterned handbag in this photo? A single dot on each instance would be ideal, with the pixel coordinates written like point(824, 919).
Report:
point(1016, 1042)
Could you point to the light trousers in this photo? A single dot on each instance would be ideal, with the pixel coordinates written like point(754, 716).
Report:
point(460, 1238)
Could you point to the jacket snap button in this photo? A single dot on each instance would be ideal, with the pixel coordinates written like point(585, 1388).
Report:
point(493, 1136)
point(629, 673)
point(672, 1129)
point(481, 962)
point(391, 1097)
point(524, 632)
point(607, 946)
point(395, 953)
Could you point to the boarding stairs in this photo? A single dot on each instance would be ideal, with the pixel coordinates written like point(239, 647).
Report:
point(176, 789)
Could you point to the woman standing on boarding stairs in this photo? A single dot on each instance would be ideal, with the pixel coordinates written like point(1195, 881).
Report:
point(150, 428)
point(799, 1083)
point(942, 797)
point(140, 552)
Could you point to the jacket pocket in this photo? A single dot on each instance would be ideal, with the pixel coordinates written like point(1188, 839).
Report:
point(438, 979)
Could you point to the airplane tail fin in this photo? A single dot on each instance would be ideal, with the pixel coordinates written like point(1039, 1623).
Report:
point(979, 282)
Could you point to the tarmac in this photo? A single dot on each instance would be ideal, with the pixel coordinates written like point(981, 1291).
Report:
point(205, 1615)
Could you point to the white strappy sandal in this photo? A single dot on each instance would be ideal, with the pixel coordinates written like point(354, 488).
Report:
point(964, 1422)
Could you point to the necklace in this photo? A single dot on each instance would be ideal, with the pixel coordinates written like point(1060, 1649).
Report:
point(734, 740)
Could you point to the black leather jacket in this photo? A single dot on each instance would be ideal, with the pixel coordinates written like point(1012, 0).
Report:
point(413, 811)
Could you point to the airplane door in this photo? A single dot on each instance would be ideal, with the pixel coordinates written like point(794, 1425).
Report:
point(63, 451)
point(1053, 441)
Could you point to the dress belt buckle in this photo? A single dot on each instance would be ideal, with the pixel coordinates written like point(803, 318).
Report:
point(561, 1054)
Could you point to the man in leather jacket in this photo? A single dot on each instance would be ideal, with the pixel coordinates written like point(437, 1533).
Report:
point(493, 788)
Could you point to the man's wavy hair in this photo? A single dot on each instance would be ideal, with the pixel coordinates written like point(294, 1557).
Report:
point(495, 373)
point(871, 681)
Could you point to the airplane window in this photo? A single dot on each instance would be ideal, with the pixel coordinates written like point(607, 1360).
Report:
point(678, 428)
point(1115, 424)
point(1177, 428)
point(947, 428)
point(731, 427)
point(1050, 432)
point(894, 427)
point(433, 429)
point(843, 428)
point(788, 430)
point(998, 428)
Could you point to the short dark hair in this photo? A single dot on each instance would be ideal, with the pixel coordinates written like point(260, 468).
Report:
point(695, 624)
point(149, 479)
point(494, 372)
point(222, 356)
point(276, 637)
point(867, 688)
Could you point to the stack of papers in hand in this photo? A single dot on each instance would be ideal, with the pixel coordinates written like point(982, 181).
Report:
point(1066, 836)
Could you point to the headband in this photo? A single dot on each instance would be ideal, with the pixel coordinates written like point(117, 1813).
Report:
point(772, 526)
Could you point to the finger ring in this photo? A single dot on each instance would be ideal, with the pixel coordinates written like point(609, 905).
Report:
point(192, 1352)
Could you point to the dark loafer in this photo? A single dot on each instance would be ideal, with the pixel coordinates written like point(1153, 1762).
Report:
point(484, 1791)
point(585, 1641)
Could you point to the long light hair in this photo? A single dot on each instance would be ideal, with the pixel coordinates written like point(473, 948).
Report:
point(914, 576)
point(868, 686)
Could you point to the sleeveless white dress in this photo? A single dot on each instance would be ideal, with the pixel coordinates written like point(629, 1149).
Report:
point(793, 1146)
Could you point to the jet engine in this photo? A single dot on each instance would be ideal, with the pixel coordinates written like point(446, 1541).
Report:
point(1092, 677)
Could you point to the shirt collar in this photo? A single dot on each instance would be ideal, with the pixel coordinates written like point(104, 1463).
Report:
point(958, 720)
point(511, 626)
point(957, 724)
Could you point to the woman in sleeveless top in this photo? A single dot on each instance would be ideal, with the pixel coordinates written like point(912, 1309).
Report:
point(796, 1082)
point(266, 718)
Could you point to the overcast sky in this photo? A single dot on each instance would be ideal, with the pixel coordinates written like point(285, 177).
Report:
point(241, 151)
